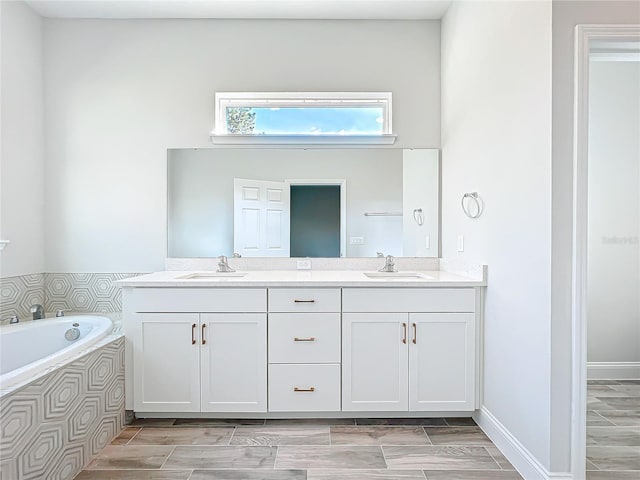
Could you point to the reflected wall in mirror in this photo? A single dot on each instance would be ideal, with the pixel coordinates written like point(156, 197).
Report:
point(348, 202)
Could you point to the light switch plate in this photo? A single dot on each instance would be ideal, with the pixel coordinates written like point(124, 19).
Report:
point(461, 243)
point(304, 264)
point(427, 242)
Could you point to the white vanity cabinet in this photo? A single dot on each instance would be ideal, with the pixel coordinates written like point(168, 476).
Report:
point(166, 362)
point(198, 350)
point(287, 349)
point(408, 349)
point(304, 349)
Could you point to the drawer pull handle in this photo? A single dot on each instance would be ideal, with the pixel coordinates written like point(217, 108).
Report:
point(204, 340)
point(304, 301)
point(404, 333)
point(193, 334)
point(310, 339)
point(310, 389)
point(415, 334)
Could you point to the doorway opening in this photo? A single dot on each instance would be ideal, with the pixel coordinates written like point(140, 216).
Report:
point(606, 259)
point(315, 221)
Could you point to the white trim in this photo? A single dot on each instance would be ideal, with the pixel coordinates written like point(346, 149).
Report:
point(297, 140)
point(343, 204)
point(613, 370)
point(522, 459)
point(584, 35)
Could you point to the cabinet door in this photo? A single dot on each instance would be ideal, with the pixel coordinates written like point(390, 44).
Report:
point(234, 362)
point(166, 363)
point(442, 361)
point(374, 361)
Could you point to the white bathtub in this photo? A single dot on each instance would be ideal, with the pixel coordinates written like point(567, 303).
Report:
point(27, 349)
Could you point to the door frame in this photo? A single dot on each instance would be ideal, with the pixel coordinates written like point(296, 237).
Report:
point(342, 183)
point(584, 35)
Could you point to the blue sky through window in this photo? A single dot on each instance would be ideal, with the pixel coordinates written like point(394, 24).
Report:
point(319, 121)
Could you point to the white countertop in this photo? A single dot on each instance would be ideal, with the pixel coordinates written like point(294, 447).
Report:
point(301, 278)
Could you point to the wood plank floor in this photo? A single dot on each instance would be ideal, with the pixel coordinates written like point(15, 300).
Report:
point(323, 449)
point(613, 429)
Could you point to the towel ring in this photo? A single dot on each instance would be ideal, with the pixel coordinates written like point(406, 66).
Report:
point(474, 198)
point(418, 216)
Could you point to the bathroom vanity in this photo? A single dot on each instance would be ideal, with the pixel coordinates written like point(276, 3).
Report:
point(302, 343)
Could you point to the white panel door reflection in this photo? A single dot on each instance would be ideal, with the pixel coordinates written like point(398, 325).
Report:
point(261, 218)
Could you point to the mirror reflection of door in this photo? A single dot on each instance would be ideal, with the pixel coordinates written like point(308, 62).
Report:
point(315, 221)
point(260, 218)
point(275, 219)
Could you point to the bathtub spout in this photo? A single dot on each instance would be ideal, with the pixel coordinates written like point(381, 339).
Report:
point(37, 312)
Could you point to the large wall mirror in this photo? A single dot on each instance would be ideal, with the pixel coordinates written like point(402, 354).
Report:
point(290, 202)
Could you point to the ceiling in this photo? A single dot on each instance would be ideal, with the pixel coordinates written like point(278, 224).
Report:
point(244, 9)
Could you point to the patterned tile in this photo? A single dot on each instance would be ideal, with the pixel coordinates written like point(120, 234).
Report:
point(84, 292)
point(17, 294)
point(52, 426)
point(77, 292)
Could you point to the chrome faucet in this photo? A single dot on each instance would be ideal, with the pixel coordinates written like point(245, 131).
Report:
point(14, 319)
point(37, 311)
point(389, 265)
point(223, 265)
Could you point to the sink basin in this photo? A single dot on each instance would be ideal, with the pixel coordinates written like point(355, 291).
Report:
point(213, 275)
point(396, 275)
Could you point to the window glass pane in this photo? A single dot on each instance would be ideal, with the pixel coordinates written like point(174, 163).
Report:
point(305, 120)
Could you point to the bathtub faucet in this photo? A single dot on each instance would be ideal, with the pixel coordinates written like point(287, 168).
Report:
point(37, 311)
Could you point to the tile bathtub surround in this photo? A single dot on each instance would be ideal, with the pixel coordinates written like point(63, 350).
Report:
point(314, 449)
point(17, 294)
point(50, 428)
point(613, 429)
point(76, 292)
point(84, 292)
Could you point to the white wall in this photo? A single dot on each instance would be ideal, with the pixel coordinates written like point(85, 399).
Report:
point(613, 309)
point(119, 93)
point(201, 193)
point(22, 140)
point(566, 15)
point(496, 140)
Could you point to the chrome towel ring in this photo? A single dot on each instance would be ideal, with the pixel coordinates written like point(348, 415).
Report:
point(468, 206)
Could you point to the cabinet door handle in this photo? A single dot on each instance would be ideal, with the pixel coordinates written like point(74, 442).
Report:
point(415, 334)
point(204, 340)
point(304, 301)
point(310, 339)
point(193, 334)
point(310, 389)
point(404, 333)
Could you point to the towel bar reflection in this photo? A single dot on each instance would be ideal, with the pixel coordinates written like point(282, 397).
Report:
point(382, 214)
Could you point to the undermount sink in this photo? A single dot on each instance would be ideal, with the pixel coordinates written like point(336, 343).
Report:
point(396, 275)
point(213, 275)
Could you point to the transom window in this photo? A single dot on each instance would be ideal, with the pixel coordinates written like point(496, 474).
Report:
point(303, 114)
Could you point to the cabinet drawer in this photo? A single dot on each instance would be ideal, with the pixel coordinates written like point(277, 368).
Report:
point(304, 388)
point(304, 338)
point(304, 299)
point(198, 300)
point(428, 300)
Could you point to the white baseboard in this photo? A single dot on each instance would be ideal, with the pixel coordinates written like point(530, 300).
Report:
point(523, 461)
point(613, 370)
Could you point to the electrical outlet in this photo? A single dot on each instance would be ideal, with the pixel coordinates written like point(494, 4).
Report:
point(461, 243)
point(304, 264)
point(356, 240)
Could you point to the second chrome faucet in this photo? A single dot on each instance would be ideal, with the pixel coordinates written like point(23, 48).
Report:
point(389, 265)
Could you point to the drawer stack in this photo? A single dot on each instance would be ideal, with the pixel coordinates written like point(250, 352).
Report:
point(304, 349)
